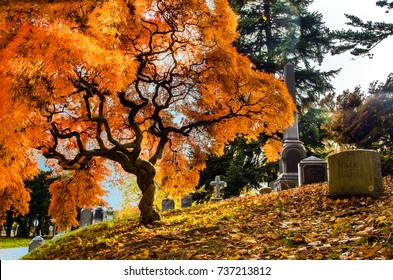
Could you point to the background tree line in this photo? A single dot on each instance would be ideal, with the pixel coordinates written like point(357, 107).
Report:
point(38, 209)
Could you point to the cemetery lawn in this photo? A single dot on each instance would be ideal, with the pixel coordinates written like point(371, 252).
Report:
point(13, 242)
point(302, 223)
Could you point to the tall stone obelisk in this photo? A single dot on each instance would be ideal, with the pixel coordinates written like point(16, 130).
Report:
point(293, 150)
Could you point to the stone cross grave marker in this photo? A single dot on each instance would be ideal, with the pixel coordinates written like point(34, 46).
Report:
point(356, 172)
point(217, 184)
point(186, 201)
point(168, 204)
point(36, 242)
point(86, 217)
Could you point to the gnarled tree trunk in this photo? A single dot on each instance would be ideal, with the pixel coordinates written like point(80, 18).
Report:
point(145, 180)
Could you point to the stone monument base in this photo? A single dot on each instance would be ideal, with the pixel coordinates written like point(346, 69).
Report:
point(286, 181)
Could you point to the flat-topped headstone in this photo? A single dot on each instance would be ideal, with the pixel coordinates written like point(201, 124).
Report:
point(168, 204)
point(86, 217)
point(356, 172)
point(312, 170)
point(186, 201)
point(36, 242)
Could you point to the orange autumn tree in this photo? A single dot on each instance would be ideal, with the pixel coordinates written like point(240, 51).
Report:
point(153, 86)
point(16, 165)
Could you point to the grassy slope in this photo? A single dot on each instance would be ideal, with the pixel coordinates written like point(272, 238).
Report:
point(302, 223)
point(13, 242)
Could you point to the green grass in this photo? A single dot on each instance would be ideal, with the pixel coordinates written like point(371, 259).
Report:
point(13, 242)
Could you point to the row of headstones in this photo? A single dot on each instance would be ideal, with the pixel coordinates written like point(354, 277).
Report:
point(91, 216)
point(88, 217)
point(169, 204)
point(186, 201)
point(355, 172)
point(310, 170)
point(345, 170)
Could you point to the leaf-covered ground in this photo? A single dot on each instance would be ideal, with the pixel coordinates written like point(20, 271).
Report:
point(302, 223)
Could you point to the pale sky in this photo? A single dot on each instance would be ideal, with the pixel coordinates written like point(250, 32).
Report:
point(356, 70)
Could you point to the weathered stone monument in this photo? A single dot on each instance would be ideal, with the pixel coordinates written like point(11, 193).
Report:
point(354, 173)
point(186, 201)
point(86, 217)
point(293, 150)
point(217, 183)
point(36, 242)
point(98, 215)
point(312, 170)
point(168, 204)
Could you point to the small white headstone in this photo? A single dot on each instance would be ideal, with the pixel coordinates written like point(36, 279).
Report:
point(36, 242)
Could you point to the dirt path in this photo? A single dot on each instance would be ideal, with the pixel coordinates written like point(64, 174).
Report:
point(13, 253)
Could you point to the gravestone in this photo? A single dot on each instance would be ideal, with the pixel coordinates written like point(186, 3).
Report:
point(109, 214)
point(217, 183)
point(15, 229)
point(36, 242)
point(86, 217)
point(265, 190)
point(312, 170)
point(293, 150)
point(168, 204)
point(98, 215)
point(356, 172)
point(186, 201)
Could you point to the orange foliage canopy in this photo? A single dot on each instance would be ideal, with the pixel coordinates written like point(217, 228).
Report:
point(152, 85)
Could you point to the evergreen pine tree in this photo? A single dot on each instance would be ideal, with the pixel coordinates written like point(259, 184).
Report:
point(275, 32)
point(363, 36)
